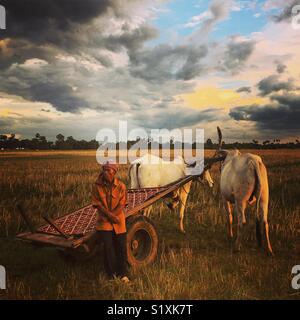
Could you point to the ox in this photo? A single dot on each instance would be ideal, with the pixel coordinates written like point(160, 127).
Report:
point(153, 171)
point(244, 181)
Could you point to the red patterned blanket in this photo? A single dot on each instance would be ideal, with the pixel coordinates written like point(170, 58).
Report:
point(83, 220)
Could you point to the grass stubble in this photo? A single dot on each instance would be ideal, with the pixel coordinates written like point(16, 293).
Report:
point(198, 265)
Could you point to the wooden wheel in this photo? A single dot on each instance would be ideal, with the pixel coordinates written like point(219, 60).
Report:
point(142, 241)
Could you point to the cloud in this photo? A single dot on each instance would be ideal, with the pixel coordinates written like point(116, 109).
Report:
point(280, 68)
point(282, 114)
point(130, 39)
point(286, 12)
point(218, 11)
point(74, 43)
point(44, 29)
point(45, 21)
point(179, 117)
point(59, 95)
point(204, 23)
point(12, 122)
point(244, 89)
point(39, 81)
point(197, 20)
point(94, 60)
point(18, 51)
point(237, 52)
point(274, 84)
point(165, 62)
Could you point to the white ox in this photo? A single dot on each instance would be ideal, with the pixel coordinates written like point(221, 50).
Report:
point(152, 171)
point(244, 181)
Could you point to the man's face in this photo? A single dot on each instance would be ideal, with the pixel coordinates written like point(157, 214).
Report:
point(109, 174)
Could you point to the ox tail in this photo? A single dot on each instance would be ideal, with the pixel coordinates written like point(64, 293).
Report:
point(257, 193)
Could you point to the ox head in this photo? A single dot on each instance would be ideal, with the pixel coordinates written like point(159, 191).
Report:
point(205, 177)
point(227, 155)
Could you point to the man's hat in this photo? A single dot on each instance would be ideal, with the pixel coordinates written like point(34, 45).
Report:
point(111, 165)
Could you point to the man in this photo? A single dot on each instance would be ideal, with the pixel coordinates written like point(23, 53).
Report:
point(109, 196)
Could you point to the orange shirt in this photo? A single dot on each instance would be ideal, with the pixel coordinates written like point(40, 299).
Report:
point(113, 198)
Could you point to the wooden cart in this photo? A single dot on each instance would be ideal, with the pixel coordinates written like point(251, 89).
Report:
point(73, 233)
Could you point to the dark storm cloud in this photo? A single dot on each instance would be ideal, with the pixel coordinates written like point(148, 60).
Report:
point(49, 29)
point(286, 13)
point(17, 51)
point(132, 40)
point(43, 21)
point(59, 95)
point(43, 28)
point(42, 83)
point(282, 114)
point(165, 62)
point(274, 84)
point(291, 100)
point(244, 89)
point(236, 54)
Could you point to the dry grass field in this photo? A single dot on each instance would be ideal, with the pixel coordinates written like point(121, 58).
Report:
point(198, 265)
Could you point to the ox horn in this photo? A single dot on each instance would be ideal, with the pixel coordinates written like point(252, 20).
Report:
point(219, 138)
point(219, 155)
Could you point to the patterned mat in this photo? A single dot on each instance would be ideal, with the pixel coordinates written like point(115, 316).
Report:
point(84, 219)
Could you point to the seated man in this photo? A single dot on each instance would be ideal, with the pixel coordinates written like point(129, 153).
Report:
point(109, 196)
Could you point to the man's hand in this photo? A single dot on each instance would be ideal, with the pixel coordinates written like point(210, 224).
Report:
point(110, 216)
point(113, 218)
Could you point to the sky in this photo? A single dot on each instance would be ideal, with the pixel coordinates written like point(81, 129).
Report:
point(77, 66)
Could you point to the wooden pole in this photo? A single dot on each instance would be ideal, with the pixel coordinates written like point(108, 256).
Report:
point(26, 219)
point(56, 227)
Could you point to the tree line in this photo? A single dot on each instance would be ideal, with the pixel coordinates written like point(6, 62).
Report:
point(39, 142)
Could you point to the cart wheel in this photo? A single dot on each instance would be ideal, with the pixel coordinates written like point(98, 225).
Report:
point(142, 241)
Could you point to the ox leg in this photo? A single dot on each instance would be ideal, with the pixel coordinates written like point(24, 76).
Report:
point(228, 209)
point(240, 210)
point(183, 194)
point(263, 208)
point(181, 214)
